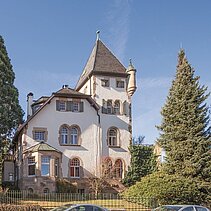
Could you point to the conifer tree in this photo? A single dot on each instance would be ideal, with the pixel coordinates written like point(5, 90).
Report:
point(185, 131)
point(143, 162)
point(11, 113)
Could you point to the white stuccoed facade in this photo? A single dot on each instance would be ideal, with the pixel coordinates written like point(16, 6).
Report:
point(94, 126)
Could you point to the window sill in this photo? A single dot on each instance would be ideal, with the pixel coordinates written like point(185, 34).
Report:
point(74, 145)
point(114, 146)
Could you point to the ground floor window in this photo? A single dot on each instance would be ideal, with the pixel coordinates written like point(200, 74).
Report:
point(118, 169)
point(75, 168)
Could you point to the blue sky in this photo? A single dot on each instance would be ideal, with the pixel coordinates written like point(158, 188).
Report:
point(49, 43)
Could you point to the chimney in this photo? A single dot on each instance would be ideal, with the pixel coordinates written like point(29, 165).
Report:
point(29, 103)
point(65, 86)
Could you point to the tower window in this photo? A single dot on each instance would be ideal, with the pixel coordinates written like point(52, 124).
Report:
point(105, 82)
point(109, 107)
point(120, 84)
point(117, 107)
point(113, 136)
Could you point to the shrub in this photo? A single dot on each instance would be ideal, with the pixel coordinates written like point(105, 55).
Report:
point(168, 189)
point(65, 186)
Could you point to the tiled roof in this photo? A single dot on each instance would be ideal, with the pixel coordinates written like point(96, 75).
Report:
point(68, 91)
point(42, 147)
point(101, 61)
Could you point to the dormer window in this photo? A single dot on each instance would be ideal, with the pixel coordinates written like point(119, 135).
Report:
point(62, 105)
point(75, 107)
point(120, 84)
point(105, 82)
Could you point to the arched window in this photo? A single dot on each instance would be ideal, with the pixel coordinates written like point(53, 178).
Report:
point(118, 169)
point(113, 137)
point(74, 136)
point(107, 168)
point(30, 190)
point(117, 107)
point(75, 168)
point(64, 135)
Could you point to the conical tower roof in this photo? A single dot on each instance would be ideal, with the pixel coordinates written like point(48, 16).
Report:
point(101, 62)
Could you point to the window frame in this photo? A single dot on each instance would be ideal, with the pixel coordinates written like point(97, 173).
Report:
point(75, 165)
point(120, 83)
point(109, 107)
point(113, 140)
point(45, 164)
point(64, 136)
point(116, 108)
point(56, 167)
point(64, 107)
point(118, 169)
point(74, 136)
point(39, 130)
point(105, 82)
point(33, 164)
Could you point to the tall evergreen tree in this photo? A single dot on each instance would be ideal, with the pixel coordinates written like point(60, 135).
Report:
point(11, 113)
point(185, 131)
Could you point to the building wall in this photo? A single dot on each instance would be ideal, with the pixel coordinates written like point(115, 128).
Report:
point(51, 119)
point(122, 122)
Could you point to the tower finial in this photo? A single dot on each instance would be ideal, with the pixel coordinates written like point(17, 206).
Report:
point(98, 34)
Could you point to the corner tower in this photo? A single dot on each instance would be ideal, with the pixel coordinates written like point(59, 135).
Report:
point(111, 85)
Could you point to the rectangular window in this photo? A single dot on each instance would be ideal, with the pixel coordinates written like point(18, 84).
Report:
point(31, 166)
point(56, 165)
point(62, 106)
point(75, 171)
point(109, 107)
point(105, 82)
point(120, 84)
point(75, 107)
point(45, 166)
point(39, 135)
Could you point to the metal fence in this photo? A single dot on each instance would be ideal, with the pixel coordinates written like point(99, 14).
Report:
point(51, 200)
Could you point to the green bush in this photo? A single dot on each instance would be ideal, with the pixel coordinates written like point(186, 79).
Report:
point(168, 189)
